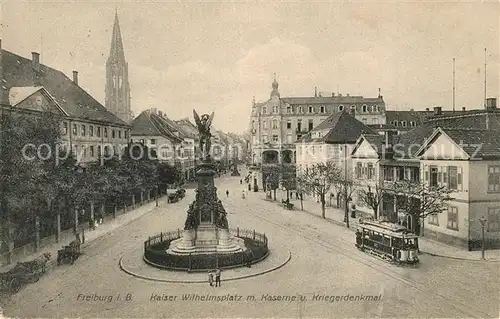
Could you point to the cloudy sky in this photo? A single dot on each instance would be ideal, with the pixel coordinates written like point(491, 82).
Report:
point(218, 55)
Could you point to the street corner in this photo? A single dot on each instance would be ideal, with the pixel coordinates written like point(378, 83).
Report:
point(133, 264)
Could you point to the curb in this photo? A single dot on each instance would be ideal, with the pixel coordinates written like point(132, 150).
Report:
point(461, 258)
point(202, 281)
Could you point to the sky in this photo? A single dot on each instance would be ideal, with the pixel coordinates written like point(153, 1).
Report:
point(215, 56)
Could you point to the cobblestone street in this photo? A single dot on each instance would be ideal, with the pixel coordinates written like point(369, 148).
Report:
point(324, 263)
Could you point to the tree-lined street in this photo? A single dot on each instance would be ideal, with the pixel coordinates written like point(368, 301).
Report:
point(324, 263)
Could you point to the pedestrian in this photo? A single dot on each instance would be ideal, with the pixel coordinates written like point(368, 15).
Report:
point(243, 194)
point(211, 278)
point(217, 277)
point(227, 192)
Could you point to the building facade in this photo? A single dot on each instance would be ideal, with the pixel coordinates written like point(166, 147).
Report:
point(117, 95)
point(275, 125)
point(88, 128)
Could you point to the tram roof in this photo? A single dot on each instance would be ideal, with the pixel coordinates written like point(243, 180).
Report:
point(387, 228)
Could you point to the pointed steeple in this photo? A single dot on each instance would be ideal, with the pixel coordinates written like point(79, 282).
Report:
point(116, 53)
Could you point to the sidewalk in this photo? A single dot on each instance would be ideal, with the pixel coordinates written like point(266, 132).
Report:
point(105, 228)
point(428, 246)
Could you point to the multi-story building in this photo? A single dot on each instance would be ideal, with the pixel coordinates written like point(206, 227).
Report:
point(117, 83)
point(88, 128)
point(276, 124)
point(172, 144)
point(446, 150)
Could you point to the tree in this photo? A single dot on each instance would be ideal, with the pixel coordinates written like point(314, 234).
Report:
point(272, 182)
point(167, 174)
point(345, 186)
point(318, 180)
point(420, 200)
point(371, 197)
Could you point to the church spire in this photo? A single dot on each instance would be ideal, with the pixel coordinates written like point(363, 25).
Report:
point(116, 52)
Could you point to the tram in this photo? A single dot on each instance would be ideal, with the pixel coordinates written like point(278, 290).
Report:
point(388, 241)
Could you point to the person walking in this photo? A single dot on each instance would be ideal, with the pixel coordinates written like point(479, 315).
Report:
point(241, 182)
point(217, 277)
point(227, 192)
point(211, 278)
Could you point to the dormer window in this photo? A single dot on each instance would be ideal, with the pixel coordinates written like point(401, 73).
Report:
point(264, 110)
point(311, 109)
point(322, 109)
point(412, 124)
point(300, 109)
point(341, 108)
point(375, 108)
point(365, 108)
point(403, 123)
point(289, 109)
point(395, 123)
point(353, 107)
point(275, 109)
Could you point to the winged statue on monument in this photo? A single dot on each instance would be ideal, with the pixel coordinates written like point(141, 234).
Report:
point(203, 124)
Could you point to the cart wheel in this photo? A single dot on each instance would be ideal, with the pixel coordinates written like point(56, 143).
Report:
point(14, 285)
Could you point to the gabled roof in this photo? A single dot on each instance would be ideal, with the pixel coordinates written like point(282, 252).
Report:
point(147, 125)
point(188, 128)
point(17, 95)
point(18, 71)
point(342, 128)
point(476, 143)
point(376, 141)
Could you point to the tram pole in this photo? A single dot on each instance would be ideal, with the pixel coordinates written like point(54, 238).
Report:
point(483, 221)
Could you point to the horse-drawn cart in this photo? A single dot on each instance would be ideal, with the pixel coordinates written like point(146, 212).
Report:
point(23, 273)
point(69, 252)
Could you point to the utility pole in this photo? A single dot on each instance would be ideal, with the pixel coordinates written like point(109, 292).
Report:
point(453, 84)
point(485, 78)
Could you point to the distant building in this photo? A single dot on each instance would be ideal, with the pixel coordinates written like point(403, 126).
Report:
point(117, 98)
point(88, 128)
point(275, 125)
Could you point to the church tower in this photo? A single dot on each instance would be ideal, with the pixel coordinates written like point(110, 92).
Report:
point(117, 85)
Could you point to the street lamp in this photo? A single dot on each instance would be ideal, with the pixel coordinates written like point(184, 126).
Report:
point(483, 222)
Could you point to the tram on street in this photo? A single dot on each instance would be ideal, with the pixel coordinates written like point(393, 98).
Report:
point(388, 241)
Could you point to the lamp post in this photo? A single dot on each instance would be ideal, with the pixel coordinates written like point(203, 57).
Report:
point(483, 222)
point(156, 195)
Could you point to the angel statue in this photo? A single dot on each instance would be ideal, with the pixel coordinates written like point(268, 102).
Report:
point(204, 130)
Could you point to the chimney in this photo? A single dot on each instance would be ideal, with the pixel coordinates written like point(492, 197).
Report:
point(352, 111)
point(463, 109)
point(35, 58)
point(389, 142)
point(160, 113)
point(75, 77)
point(347, 94)
point(427, 109)
point(491, 103)
point(333, 94)
point(437, 110)
point(315, 91)
point(153, 110)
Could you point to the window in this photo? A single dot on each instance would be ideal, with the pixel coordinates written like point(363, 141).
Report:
point(153, 141)
point(403, 123)
point(253, 124)
point(299, 136)
point(83, 129)
point(299, 125)
point(364, 108)
point(91, 150)
point(395, 123)
point(119, 133)
point(341, 108)
point(388, 173)
point(264, 110)
point(91, 130)
point(99, 150)
point(412, 123)
point(371, 171)
point(493, 224)
point(275, 138)
point(452, 218)
point(359, 168)
point(375, 108)
point(275, 124)
point(434, 219)
point(322, 109)
point(289, 109)
point(493, 178)
point(75, 129)
point(105, 132)
point(106, 151)
point(264, 124)
point(98, 131)
point(433, 182)
point(310, 124)
point(112, 133)
point(275, 109)
point(265, 139)
point(311, 109)
point(300, 109)
point(452, 177)
point(289, 125)
point(65, 128)
point(313, 150)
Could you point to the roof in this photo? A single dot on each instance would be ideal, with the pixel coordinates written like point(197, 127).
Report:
point(188, 128)
point(477, 143)
point(18, 71)
point(331, 99)
point(376, 141)
point(148, 124)
point(342, 128)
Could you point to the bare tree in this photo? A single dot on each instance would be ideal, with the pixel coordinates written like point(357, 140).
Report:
point(371, 197)
point(420, 200)
point(345, 186)
point(318, 180)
